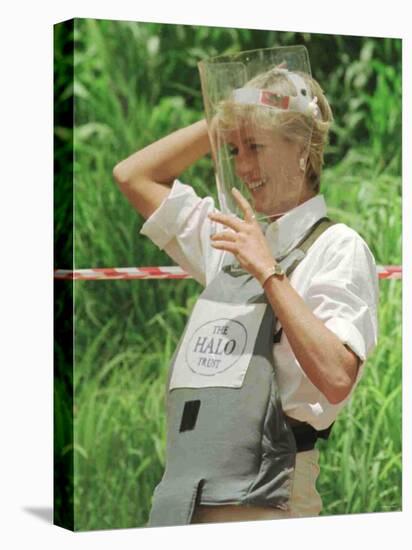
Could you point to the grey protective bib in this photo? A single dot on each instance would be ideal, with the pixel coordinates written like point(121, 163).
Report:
point(228, 441)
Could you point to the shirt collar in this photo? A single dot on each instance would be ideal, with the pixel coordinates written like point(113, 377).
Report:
point(286, 232)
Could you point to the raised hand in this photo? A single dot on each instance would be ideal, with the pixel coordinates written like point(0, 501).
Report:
point(246, 240)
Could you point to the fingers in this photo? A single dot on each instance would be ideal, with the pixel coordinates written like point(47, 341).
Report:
point(226, 245)
point(230, 221)
point(224, 236)
point(244, 205)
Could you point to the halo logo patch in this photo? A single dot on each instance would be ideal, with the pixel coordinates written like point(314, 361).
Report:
point(216, 346)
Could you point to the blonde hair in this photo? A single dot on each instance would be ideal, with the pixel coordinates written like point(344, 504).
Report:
point(290, 125)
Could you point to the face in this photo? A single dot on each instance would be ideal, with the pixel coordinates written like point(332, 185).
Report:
point(268, 165)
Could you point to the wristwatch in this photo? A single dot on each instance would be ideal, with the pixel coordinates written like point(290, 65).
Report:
point(276, 270)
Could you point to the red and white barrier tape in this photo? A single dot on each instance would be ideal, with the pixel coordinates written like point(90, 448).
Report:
point(170, 272)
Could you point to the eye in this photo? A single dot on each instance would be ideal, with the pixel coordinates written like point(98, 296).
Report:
point(256, 146)
point(233, 151)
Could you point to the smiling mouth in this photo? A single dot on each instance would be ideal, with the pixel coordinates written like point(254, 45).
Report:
point(256, 184)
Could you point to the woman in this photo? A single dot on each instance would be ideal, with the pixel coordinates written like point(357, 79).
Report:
point(323, 312)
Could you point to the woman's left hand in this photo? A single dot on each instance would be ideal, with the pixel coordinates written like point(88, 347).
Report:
point(246, 241)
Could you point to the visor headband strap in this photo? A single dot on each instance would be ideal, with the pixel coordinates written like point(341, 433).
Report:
point(301, 103)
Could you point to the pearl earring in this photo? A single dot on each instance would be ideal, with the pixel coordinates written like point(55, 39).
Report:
point(302, 164)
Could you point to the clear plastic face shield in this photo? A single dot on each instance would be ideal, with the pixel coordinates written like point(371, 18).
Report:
point(260, 113)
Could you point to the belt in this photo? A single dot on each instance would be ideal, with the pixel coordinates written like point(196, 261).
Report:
point(306, 435)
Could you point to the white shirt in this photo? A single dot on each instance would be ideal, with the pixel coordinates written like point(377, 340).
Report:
point(337, 279)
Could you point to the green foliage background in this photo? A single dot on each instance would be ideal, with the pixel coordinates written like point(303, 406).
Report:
point(134, 83)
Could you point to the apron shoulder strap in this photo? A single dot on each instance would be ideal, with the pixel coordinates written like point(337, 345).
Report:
point(292, 260)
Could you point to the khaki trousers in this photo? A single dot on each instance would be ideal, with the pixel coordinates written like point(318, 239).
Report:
point(304, 502)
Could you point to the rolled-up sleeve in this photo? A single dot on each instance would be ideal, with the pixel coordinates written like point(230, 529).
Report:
point(181, 227)
point(344, 294)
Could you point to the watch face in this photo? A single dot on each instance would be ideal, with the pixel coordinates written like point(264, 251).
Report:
point(279, 270)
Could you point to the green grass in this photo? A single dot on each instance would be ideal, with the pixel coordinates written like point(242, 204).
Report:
point(135, 83)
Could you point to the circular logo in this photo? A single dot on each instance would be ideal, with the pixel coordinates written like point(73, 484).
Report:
point(216, 346)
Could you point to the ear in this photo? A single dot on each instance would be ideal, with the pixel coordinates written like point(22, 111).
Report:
point(303, 154)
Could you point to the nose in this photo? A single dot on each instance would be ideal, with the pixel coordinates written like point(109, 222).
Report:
point(246, 166)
